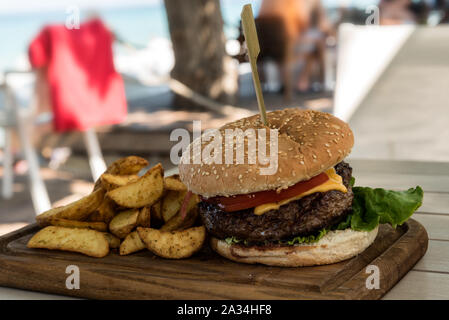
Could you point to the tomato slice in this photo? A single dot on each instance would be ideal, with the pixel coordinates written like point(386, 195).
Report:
point(251, 200)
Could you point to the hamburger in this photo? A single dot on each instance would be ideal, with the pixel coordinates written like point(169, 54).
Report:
point(302, 214)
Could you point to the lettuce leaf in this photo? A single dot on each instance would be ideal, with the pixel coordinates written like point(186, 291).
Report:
point(232, 240)
point(306, 239)
point(374, 206)
point(296, 240)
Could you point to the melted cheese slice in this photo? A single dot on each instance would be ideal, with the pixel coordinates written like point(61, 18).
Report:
point(335, 182)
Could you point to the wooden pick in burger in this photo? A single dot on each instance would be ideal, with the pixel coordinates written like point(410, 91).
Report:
point(252, 43)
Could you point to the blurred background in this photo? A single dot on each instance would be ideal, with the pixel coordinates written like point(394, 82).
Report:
point(85, 82)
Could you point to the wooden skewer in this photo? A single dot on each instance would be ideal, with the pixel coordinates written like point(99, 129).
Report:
point(252, 43)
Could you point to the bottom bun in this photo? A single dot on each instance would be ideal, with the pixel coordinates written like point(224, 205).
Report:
point(334, 247)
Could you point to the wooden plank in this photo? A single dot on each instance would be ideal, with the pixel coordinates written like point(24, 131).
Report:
point(437, 226)
point(399, 167)
point(208, 275)
point(16, 294)
point(421, 285)
point(436, 258)
point(435, 203)
point(429, 183)
point(431, 176)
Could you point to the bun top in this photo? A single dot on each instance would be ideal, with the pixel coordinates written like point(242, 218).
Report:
point(309, 142)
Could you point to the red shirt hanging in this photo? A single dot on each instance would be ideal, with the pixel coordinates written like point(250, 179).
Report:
point(85, 89)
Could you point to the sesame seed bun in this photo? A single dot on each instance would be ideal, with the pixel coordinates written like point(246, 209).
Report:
point(309, 142)
point(334, 247)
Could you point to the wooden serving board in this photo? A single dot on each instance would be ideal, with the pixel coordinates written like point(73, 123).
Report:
point(207, 275)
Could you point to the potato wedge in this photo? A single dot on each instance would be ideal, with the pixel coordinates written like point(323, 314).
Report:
point(171, 204)
point(124, 166)
point(128, 165)
point(99, 226)
point(143, 192)
point(89, 242)
point(111, 182)
point(105, 212)
point(144, 218)
point(131, 244)
point(174, 183)
point(174, 244)
point(124, 222)
point(78, 210)
point(180, 222)
point(156, 212)
point(113, 241)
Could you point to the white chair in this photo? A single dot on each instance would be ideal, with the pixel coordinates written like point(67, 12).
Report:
point(17, 109)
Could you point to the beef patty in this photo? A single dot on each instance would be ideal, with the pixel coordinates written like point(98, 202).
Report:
point(297, 218)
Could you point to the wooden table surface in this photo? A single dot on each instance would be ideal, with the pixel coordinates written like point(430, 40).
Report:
point(429, 279)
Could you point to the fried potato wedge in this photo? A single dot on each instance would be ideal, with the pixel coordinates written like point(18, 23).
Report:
point(111, 182)
point(171, 204)
point(180, 223)
point(144, 218)
point(99, 226)
point(89, 242)
point(131, 244)
point(183, 220)
point(78, 210)
point(124, 222)
point(105, 212)
point(113, 241)
point(156, 211)
point(143, 192)
point(124, 166)
point(127, 166)
point(174, 244)
point(174, 183)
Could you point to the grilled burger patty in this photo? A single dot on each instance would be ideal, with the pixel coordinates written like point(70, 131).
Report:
point(297, 218)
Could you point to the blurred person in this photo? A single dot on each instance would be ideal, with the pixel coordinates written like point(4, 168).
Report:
point(443, 6)
point(312, 46)
point(292, 30)
point(280, 24)
point(76, 81)
point(421, 11)
point(393, 12)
